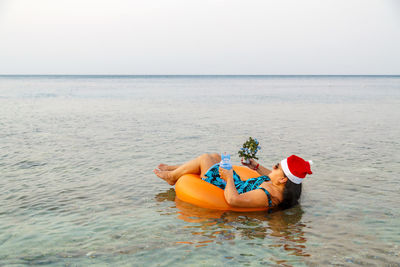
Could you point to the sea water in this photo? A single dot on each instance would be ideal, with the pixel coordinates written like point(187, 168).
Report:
point(77, 154)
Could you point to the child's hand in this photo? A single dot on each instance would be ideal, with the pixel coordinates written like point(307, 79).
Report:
point(250, 165)
point(225, 174)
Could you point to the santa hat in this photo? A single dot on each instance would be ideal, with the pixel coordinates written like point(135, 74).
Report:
point(296, 168)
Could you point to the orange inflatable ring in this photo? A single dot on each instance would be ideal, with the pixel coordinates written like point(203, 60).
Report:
point(192, 189)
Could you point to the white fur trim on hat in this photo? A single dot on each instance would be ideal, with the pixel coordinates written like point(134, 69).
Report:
point(290, 176)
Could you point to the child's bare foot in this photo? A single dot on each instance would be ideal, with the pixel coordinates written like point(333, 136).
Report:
point(166, 167)
point(163, 167)
point(165, 175)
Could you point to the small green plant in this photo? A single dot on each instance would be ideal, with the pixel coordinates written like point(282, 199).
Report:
point(249, 149)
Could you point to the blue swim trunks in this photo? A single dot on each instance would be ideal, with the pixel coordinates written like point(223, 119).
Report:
point(212, 177)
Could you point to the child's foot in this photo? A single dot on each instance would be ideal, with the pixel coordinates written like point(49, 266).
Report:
point(165, 175)
point(163, 167)
point(166, 167)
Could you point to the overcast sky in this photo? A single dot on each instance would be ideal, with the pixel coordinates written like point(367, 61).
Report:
point(199, 37)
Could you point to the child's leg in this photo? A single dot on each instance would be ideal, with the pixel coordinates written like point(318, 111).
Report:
point(199, 166)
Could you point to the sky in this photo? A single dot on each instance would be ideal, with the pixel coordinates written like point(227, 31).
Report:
point(150, 37)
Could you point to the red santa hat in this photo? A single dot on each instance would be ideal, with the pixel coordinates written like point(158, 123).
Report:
point(296, 168)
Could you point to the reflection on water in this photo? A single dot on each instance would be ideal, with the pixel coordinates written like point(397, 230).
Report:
point(285, 228)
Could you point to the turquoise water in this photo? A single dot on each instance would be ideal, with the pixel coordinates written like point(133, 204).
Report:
point(77, 154)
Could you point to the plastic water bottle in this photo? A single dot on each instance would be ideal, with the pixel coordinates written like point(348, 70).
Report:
point(225, 161)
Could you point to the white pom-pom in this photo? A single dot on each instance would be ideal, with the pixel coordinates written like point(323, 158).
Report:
point(310, 161)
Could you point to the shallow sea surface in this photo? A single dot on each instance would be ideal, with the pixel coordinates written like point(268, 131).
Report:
point(77, 154)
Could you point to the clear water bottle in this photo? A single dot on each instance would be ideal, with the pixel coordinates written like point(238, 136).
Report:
point(225, 161)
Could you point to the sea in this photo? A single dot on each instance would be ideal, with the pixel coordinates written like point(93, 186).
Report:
point(77, 155)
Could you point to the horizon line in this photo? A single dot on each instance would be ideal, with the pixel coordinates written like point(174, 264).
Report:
point(182, 75)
